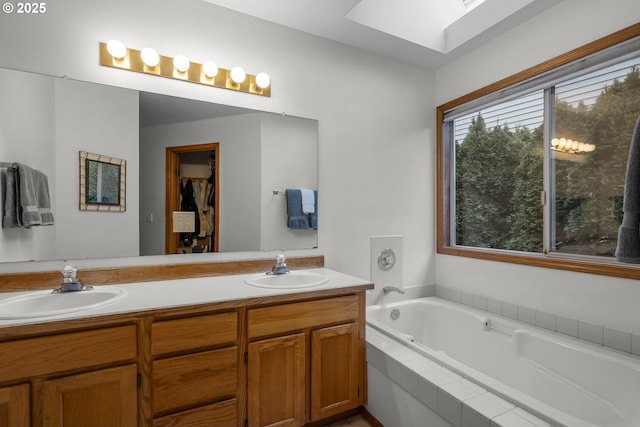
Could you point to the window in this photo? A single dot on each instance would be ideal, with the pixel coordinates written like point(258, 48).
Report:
point(534, 172)
point(498, 176)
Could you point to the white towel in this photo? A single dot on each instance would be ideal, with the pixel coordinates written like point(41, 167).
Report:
point(308, 201)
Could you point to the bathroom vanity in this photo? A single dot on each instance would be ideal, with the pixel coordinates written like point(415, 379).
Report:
point(211, 351)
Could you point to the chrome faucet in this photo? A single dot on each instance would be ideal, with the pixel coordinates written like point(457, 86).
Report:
point(70, 283)
point(280, 266)
point(388, 289)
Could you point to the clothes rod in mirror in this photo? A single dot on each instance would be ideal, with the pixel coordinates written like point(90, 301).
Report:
point(115, 54)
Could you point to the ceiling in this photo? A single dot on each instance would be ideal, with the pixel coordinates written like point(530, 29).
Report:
point(157, 109)
point(427, 33)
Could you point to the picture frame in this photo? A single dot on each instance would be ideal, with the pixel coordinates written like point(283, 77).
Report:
point(102, 183)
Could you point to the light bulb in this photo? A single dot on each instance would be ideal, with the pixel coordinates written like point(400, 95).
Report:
point(238, 75)
point(263, 80)
point(150, 57)
point(210, 69)
point(116, 49)
point(181, 63)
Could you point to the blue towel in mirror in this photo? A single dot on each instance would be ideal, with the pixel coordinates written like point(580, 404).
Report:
point(296, 219)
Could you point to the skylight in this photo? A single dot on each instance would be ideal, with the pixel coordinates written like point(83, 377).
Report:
point(470, 4)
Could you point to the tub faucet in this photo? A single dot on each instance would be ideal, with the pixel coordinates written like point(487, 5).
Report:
point(388, 289)
point(280, 266)
point(70, 283)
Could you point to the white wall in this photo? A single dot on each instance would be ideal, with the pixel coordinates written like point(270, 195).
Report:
point(601, 299)
point(376, 116)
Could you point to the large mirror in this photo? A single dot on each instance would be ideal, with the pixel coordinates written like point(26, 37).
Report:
point(45, 122)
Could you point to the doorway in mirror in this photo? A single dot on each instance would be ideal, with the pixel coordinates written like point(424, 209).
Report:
point(192, 185)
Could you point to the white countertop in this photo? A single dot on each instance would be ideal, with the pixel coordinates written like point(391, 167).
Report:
point(142, 296)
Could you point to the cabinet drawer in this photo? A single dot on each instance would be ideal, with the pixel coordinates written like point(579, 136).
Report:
point(222, 414)
point(65, 352)
point(194, 332)
point(300, 315)
point(195, 378)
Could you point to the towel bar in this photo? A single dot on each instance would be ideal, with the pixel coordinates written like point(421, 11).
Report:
point(278, 193)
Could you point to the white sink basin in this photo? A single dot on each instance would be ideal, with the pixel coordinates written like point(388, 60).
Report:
point(45, 303)
point(291, 280)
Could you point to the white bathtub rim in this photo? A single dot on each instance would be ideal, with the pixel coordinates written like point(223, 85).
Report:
point(511, 395)
point(540, 409)
point(507, 323)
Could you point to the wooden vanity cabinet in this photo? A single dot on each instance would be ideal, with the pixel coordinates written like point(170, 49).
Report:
point(304, 360)
point(278, 361)
point(84, 378)
point(195, 370)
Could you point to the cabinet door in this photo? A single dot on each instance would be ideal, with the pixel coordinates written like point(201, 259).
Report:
point(277, 382)
point(14, 406)
point(334, 370)
point(105, 398)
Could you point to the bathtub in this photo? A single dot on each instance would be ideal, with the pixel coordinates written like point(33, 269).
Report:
point(562, 380)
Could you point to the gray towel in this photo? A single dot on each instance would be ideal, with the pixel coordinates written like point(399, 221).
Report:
point(10, 217)
point(33, 205)
point(628, 248)
point(313, 218)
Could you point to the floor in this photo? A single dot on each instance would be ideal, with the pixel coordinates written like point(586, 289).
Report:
point(354, 421)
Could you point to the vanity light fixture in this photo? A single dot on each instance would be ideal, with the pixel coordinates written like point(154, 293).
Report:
point(116, 55)
point(238, 75)
point(150, 57)
point(117, 49)
point(181, 63)
point(263, 80)
point(209, 69)
point(570, 146)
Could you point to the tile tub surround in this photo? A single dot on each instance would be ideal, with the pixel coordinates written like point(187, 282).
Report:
point(559, 379)
point(595, 333)
point(455, 399)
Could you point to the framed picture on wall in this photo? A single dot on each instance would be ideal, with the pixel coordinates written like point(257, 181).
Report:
point(102, 183)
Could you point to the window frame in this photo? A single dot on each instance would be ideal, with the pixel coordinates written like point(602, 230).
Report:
point(444, 216)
